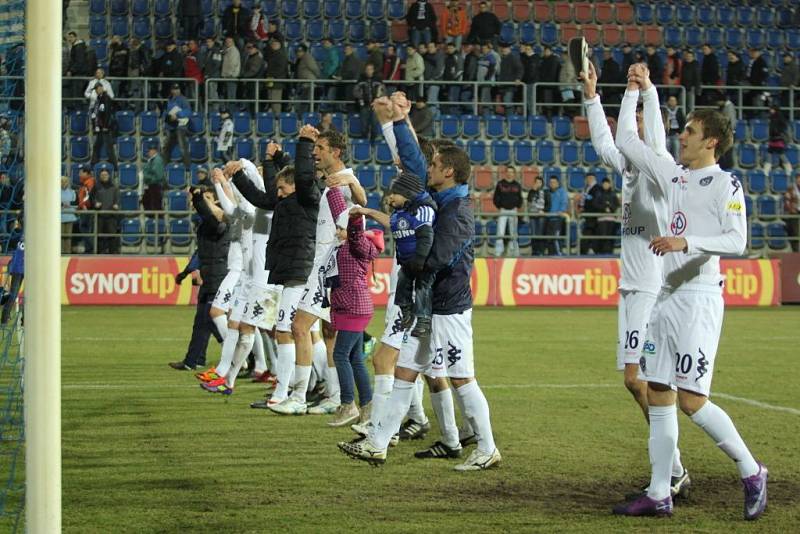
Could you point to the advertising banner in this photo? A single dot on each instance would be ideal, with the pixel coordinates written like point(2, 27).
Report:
point(790, 278)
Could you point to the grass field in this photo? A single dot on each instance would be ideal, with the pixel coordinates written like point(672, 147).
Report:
point(145, 450)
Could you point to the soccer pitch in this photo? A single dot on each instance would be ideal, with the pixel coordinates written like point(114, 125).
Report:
point(146, 450)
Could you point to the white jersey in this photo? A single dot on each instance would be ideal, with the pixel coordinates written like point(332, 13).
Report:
point(241, 215)
point(326, 225)
point(704, 206)
point(261, 226)
point(641, 269)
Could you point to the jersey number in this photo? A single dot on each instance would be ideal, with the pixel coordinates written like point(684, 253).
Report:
point(631, 339)
point(683, 364)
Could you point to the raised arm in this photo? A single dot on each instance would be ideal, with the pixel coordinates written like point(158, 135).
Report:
point(360, 247)
point(655, 135)
point(304, 168)
point(377, 216)
point(254, 195)
point(602, 140)
point(337, 202)
point(224, 193)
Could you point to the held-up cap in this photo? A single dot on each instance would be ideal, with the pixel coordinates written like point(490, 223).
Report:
point(406, 184)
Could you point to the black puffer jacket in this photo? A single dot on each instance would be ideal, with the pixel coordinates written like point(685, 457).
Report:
point(213, 240)
point(290, 250)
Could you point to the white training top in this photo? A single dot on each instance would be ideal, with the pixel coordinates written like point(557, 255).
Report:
point(242, 215)
point(641, 269)
point(705, 206)
point(326, 225)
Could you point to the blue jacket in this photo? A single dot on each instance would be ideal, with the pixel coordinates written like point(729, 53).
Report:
point(17, 263)
point(559, 201)
point(185, 110)
point(409, 152)
point(412, 229)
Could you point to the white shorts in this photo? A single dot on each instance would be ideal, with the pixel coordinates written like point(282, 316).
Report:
point(311, 300)
point(256, 306)
point(682, 340)
point(393, 331)
point(448, 353)
point(633, 316)
point(223, 300)
point(287, 307)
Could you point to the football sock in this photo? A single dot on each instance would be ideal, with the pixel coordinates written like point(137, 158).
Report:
point(417, 411)
point(319, 359)
point(221, 323)
point(383, 388)
point(677, 466)
point(476, 409)
point(388, 423)
point(228, 347)
point(243, 348)
point(258, 349)
point(332, 390)
point(285, 368)
point(301, 375)
point(662, 443)
point(465, 430)
point(446, 415)
point(719, 426)
point(272, 353)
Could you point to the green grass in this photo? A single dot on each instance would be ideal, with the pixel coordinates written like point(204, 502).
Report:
point(145, 450)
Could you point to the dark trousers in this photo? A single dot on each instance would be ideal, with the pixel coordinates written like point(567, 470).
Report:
point(86, 226)
point(793, 230)
point(537, 229)
point(202, 329)
point(152, 198)
point(177, 135)
point(420, 286)
point(107, 244)
point(589, 229)
point(607, 229)
point(100, 139)
point(348, 355)
point(552, 227)
point(369, 126)
point(16, 282)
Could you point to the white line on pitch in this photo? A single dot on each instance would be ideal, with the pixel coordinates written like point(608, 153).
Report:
point(757, 404)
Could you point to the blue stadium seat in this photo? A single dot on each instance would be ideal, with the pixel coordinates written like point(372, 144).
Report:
point(146, 142)
point(140, 8)
point(197, 124)
point(765, 17)
point(734, 38)
point(749, 205)
point(395, 9)
point(383, 155)
point(779, 181)
point(164, 29)
point(575, 178)
point(644, 13)
point(740, 131)
point(289, 146)
point(757, 233)
point(589, 154)
point(361, 150)
point(508, 32)
point(97, 7)
point(664, 14)
point(713, 36)
point(294, 30)
point(352, 9)
point(562, 127)
point(759, 130)
point(768, 206)
point(315, 30)
point(549, 172)
point(177, 201)
point(74, 174)
point(495, 126)
point(388, 172)
point(726, 16)
point(569, 153)
point(193, 178)
point(244, 148)
point(131, 230)
point(120, 26)
point(79, 148)
point(747, 155)
point(141, 28)
point(600, 173)
point(523, 152)
point(367, 177)
point(378, 31)
point(180, 232)
point(776, 236)
point(287, 124)
point(793, 154)
point(151, 229)
point(517, 126)
point(784, 17)
point(161, 8)
point(198, 149)
point(176, 176)
point(265, 124)
point(100, 47)
point(793, 39)
point(684, 14)
point(673, 36)
point(374, 201)
point(524, 233)
point(269, 8)
point(756, 182)
point(470, 126)
point(312, 9)
point(78, 123)
point(375, 9)
point(290, 9)
point(745, 16)
point(775, 39)
point(693, 36)
point(242, 124)
point(126, 148)
point(538, 126)
point(756, 38)
point(491, 232)
point(450, 126)
point(548, 34)
point(357, 31)
point(103, 166)
point(126, 122)
point(336, 30)
point(97, 27)
point(128, 176)
point(354, 128)
point(479, 234)
point(704, 15)
point(545, 152)
point(129, 201)
point(208, 29)
point(527, 33)
point(149, 123)
point(477, 152)
point(501, 152)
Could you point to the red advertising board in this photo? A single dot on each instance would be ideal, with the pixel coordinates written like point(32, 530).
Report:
point(790, 278)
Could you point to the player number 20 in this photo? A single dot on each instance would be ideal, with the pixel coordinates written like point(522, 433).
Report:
point(631, 339)
point(683, 364)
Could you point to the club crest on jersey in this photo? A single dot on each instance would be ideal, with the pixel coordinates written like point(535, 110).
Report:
point(707, 180)
point(402, 224)
point(678, 224)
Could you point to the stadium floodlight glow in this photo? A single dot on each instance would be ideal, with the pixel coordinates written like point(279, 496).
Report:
point(42, 267)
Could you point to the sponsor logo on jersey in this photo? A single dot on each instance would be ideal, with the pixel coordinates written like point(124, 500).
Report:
point(398, 234)
point(649, 347)
point(734, 206)
point(678, 224)
point(707, 180)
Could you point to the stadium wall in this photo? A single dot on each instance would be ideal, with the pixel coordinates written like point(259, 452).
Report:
point(148, 280)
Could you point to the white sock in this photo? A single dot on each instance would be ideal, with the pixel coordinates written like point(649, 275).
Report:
point(301, 375)
point(319, 360)
point(228, 347)
point(272, 353)
point(243, 348)
point(417, 411)
point(476, 409)
point(719, 426)
point(386, 425)
point(383, 388)
point(446, 415)
point(332, 390)
point(284, 370)
point(677, 466)
point(662, 443)
point(221, 322)
point(465, 430)
point(258, 348)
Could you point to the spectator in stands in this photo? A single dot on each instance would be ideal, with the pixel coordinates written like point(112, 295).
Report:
point(584, 204)
point(791, 207)
point(191, 68)
point(672, 71)
point(790, 77)
point(177, 121)
point(778, 136)
point(536, 205)
point(118, 65)
point(453, 25)
point(5, 141)
point(82, 63)
point(453, 70)
point(99, 79)
point(487, 72)
point(203, 180)
point(609, 73)
point(472, 56)
point(628, 59)
point(11, 195)
point(330, 68)
point(154, 180)
point(607, 203)
point(415, 72)
point(15, 272)
point(190, 18)
point(85, 220)
point(326, 123)
point(556, 205)
point(210, 62)
point(485, 26)
point(548, 72)
point(421, 21)
point(690, 79)
point(368, 88)
point(508, 200)
point(530, 62)
point(231, 67)
point(170, 65)
point(654, 65)
point(570, 89)
point(422, 118)
point(68, 218)
point(225, 136)
point(757, 73)
point(253, 67)
point(352, 68)
point(236, 22)
point(393, 67)
point(105, 197)
point(139, 61)
point(277, 68)
point(258, 28)
point(510, 71)
point(709, 72)
point(274, 33)
point(674, 121)
point(375, 55)
point(305, 68)
point(434, 70)
point(102, 116)
point(735, 73)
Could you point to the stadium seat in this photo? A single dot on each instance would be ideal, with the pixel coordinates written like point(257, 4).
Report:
point(664, 14)
point(155, 231)
point(289, 146)
point(568, 32)
point(336, 30)
point(581, 125)
point(653, 36)
point(131, 230)
point(470, 126)
point(374, 201)
point(242, 124)
point(756, 182)
point(244, 148)
point(287, 124)
point(97, 27)
point(176, 176)
point(569, 153)
point(589, 154)
point(312, 9)
point(747, 155)
point(480, 236)
point(775, 40)
point(177, 201)
point(129, 201)
point(508, 32)
point(757, 38)
point(396, 9)
point(140, 8)
point(164, 29)
point(542, 12)
point(198, 149)
point(315, 30)
point(294, 30)
point(529, 175)
point(793, 154)
point(545, 153)
point(633, 35)
point(197, 124)
point(550, 172)
point(484, 178)
point(612, 35)
point(145, 145)
point(78, 123)
point(149, 124)
point(523, 152)
point(768, 206)
point(704, 14)
point(290, 9)
point(693, 36)
point(600, 173)
point(517, 126)
point(524, 235)
point(79, 148)
point(128, 176)
point(180, 232)
point(361, 150)
point(495, 126)
point(141, 28)
point(779, 181)
point(383, 154)
point(357, 31)
point(527, 33)
point(644, 13)
point(548, 34)
point(388, 172)
point(765, 17)
point(538, 126)
point(562, 127)
point(624, 13)
point(501, 152)
point(477, 152)
point(161, 8)
point(604, 13)
point(793, 39)
point(757, 233)
point(269, 8)
point(684, 14)
point(487, 206)
point(379, 31)
point(776, 236)
point(103, 166)
point(354, 126)
point(120, 26)
point(265, 124)
point(583, 13)
point(734, 38)
point(367, 176)
point(576, 177)
point(759, 130)
point(450, 126)
point(126, 148)
point(673, 36)
point(97, 7)
point(126, 122)
point(353, 9)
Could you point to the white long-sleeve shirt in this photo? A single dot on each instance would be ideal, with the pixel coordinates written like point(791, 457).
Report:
point(326, 226)
point(91, 94)
point(704, 206)
point(262, 221)
point(641, 270)
point(242, 215)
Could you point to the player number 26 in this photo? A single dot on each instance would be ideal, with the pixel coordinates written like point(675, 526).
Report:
point(631, 339)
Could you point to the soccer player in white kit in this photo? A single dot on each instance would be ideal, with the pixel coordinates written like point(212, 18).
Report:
point(641, 271)
point(706, 219)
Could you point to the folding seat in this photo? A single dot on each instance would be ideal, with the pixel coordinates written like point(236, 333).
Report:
point(180, 232)
point(653, 36)
point(126, 122)
point(140, 8)
point(575, 178)
point(129, 201)
point(775, 39)
point(396, 9)
point(242, 124)
point(294, 30)
point(484, 178)
point(704, 15)
point(197, 124)
point(757, 233)
point(501, 152)
point(568, 32)
point(538, 126)
point(290, 9)
point(500, 9)
point(78, 123)
point(562, 12)
point(600, 173)
point(768, 206)
point(644, 13)
point(383, 155)
point(756, 182)
point(177, 201)
point(759, 130)
point(633, 35)
point(592, 33)
point(776, 236)
point(545, 153)
point(287, 124)
point(479, 235)
point(542, 12)
point(516, 126)
point(520, 11)
point(164, 29)
point(779, 181)
point(562, 127)
point(664, 14)
point(523, 152)
point(589, 155)
point(747, 155)
point(604, 13)
point(155, 231)
point(119, 8)
point(355, 10)
point(508, 32)
point(387, 174)
point(684, 14)
point(792, 39)
point(612, 35)
point(361, 150)
point(378, 30)
point(119, 26)
point(214, 122)
point(765, 17)
point(141, 28)
point(128, 176)
point(470, 126)
point(367, 177)
point(198, 149)
point(756, 38)
point(161, 8)
point(793, 155)
point(103, 166)
point(584, 12)
point(176, 176)
point(569, 153)
point(477, 152)
point(315, 30)
point(207, 8)
point(374, 201)
point(97, 7)
point(552, 172)
point(354, 128)
point(783, 16)
point(529, 175)
point(149, 123)
point(734, 38)
point(581, 125)
point(244, 148)
point(625, 14)
point(357, 30)
point(126, 148)
point(713, 36)
point(548, 33)
point(495, 126)
point(740, 131)
point(193, 170)
point(487, 206)
point(450, 126)
point(312, 9)
point(269, 8)
point(146, 143)
point(79, 148)
point(97, 27)
point(693, 36)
